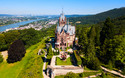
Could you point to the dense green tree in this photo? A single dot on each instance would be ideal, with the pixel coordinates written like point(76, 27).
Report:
point(120, 49)
point(2, 38)
point(110, 66)
point(16, 51)
point(97, 37)
point(49, 52)
point(29, 37)
point(3, 46)
point(11, 36)
point(92, 33)
point(90, 53)
point(83, 40)
point(95, 64)
point(107, 31)
point(78, 31)
point(113, 49)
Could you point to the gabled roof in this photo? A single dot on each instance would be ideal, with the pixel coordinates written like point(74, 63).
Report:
point(67, 28)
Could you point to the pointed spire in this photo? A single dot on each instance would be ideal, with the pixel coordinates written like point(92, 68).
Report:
point(67, 21)
point(62, 10)
point(62, 7)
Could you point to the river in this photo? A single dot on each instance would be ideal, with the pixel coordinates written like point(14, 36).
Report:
point(3, 28)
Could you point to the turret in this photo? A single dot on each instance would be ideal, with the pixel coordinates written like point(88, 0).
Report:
point(62, 19)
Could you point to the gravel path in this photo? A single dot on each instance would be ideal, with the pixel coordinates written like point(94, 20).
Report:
point(44, 66)
point(112, 71)
point(5, 54)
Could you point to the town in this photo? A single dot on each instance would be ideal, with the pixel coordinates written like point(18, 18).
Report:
point(36, 25)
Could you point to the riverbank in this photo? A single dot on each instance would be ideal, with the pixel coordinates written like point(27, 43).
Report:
point(9, 24)
point(3, 28)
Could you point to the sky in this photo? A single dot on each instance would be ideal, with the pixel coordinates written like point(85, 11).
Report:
point(54, 7)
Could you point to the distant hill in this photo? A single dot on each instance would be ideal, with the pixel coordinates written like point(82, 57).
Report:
point(5, 15)
point(92, 19)
point(67, 16)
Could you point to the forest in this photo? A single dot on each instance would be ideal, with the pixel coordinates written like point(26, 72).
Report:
point(93, 19)
point(28, 36)
point(103, 43)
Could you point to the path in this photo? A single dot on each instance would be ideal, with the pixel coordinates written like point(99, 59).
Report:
point(65, 71)
point(113, 72)
point(44, 65)
point(93, 76)
point(5, 54)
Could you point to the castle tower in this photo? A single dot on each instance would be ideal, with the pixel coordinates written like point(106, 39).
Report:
point(62, 19)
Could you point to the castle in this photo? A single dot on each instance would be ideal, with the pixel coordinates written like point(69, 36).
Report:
point(64, 33)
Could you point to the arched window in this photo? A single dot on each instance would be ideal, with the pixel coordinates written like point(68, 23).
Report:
point(61, 40)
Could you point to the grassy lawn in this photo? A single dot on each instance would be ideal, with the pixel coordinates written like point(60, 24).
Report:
point(29, 67)
point(60, 62)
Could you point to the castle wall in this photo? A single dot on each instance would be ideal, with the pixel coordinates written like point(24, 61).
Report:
point(64, 39)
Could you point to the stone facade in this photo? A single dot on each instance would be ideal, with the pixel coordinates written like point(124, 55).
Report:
point(64, 33)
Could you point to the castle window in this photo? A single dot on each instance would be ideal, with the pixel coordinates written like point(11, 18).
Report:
point(61, 40)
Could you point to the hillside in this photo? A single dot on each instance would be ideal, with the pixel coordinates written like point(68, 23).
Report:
point(119, 24)
point(29, 67)
point(92, 19)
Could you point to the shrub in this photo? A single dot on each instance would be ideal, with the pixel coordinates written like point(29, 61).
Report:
point(3, 46)
point(123, 71)
point(103, 75)
point(81, 74)
point(110, 65)
point(16, 51)
point(68, 53)
point(1, 58)
point(95, 64)
point(70, 75)
point(70, 46)
point(78, 59)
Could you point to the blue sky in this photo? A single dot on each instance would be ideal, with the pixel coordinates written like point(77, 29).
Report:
point(54, 7)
